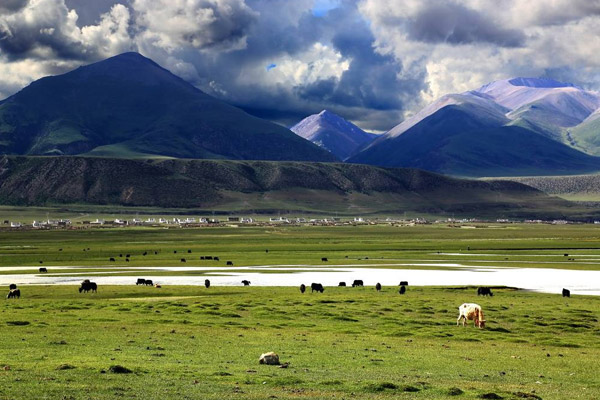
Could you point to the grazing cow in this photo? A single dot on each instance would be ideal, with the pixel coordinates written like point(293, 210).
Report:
point(402, 289)
point(566, 255)
point(41, 262)
point(216, 258)
point(127, 260)
point(471, 311)
point(357, 282)
point(112, 259)
point(156, 252)
point(324, 259)
point(378, 286)
point(484, 291)
point(59, 249)
point(149, 282)
point(202, 257)
point(120, 255)
point(140, 281)
point(267, 250)
point(183, 260)
point(86, 286)
point(403, 283)
point(302, 288)
point(208, 257)
point(207, 283)
point(230, 263)
point(174, 251)
point(189, 251)
point(14, 294)
point(316, 287)
point(566, 293)
point(144, 253)
point(12, 286)
point(127, 255)
point(246, 282)
point(342, 284)
point(43, 269)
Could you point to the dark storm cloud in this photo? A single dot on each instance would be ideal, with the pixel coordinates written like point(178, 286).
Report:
point(10, 6)
point(372, 80)
point(89, 12)
point(456, 24)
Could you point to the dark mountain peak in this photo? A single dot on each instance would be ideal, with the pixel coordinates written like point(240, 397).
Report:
point(129, 106)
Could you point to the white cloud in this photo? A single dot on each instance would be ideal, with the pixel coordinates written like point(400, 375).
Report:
point(201, 24)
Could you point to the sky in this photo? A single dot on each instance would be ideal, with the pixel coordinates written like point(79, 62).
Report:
point(374, 62)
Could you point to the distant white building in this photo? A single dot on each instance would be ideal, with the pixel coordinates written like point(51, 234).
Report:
point(246, 220)
point(15, 224)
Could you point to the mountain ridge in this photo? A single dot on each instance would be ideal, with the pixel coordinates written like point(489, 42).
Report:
point(129, 106)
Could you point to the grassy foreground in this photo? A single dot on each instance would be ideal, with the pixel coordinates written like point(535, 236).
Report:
point(191, 342)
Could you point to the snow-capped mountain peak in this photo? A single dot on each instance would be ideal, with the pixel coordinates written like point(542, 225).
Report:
point(333, 133)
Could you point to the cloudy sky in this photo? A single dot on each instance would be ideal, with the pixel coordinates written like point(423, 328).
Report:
point(371, 61)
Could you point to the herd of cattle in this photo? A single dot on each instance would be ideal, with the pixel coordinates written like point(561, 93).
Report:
point(467, 311)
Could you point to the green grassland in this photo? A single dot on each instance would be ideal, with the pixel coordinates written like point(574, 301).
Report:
point(192, 342)
point(189, 342)
point(514, 245)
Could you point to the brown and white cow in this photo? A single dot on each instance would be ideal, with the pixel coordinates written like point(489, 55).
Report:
point(471, 311)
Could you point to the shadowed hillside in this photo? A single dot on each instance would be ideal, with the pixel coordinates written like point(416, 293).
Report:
point(261, 187)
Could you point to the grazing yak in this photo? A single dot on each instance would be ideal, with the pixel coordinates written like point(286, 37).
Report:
point(202, 257)
point(140, 281)
point(316, 287)
point(208, 257)
point(149, 282)
point(566, 293)
point(86, 286)
point(378, 286)
point(402, 289)
point(246, 282)
point(112, 259)
point(183, 260)
point(216, 258)
point(189, 251)
point(12, 286)
point(127, 260)
point(324, 259)
point(230, 263)
point(14, 294)
point(43, 269)
point(342, 284)
point(403, 283)
point(471, 311)
point(144, 253)
point(484, 291)
point(357, 282)
point(302, 288)
point(207, 283)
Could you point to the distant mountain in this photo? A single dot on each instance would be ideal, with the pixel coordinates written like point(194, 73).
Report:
point(128, 106)
point(261, 186)
point(333, 133)
point(521, 126)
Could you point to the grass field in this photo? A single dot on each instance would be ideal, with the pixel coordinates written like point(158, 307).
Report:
point(504, 245)
point(188, 342)
point(191, 342)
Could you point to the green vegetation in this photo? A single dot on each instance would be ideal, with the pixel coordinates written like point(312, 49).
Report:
point(190, 342)
point(514, 245)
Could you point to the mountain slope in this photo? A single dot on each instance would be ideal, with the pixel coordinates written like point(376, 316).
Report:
point(333, 133)
point(129, 106)
point(460, 141)
point(259, 186)
point(520, 126)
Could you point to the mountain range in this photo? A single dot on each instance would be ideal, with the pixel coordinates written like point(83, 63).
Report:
point(333, 133)
point(520, 126)
point(129, 106)
point(264, 187)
